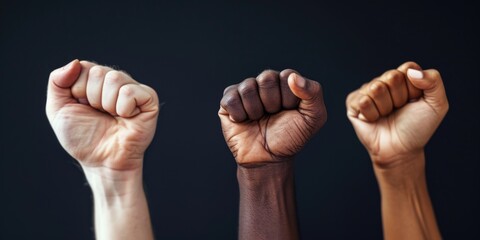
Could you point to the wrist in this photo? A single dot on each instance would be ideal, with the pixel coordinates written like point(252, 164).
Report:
point(268, 175)
point(120, 203)
point(110, 185)
point(403, 171)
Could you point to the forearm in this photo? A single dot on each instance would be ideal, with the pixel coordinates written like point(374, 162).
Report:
point(267, 202)
point(407, 210)
point(120, 205)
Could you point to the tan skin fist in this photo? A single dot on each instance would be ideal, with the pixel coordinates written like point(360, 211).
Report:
point(395, 114)
point(102, 117)
point(271, 117)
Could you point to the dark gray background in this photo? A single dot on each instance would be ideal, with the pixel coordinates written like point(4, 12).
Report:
point(189, 52)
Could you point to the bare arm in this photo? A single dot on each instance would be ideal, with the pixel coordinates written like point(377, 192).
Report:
point(120, 204)
point(266, 120)
point(394, 116)
point(267, 202)
point(106, 120)
point(407, 210)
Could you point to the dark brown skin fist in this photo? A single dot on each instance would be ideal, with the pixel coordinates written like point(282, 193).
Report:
point(271, 117)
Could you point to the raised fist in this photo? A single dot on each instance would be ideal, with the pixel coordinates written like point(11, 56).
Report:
point(271, 117)
point(395, 114)
point(102, 117)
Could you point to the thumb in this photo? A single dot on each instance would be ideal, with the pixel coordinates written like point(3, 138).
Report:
point(59, 83)
point(311, 97)
point(431, 83)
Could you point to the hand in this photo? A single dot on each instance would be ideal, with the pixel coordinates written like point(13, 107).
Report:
point(271, 117)
point(102, 117)
point(106, 120)
point(395, 114)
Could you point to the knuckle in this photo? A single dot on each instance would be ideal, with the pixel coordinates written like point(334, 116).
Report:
point(364, 103)
point(230, 101)
point(267, 75)
point(113, 77)
point(350, 97)
point(268, 80)
point(378, 89)
point(394, 77)
point(247, 87)
point(229, 88)
point(363, 87)
point(286, 72)
point(412, 64)
point(127, 90)
point(96, 71)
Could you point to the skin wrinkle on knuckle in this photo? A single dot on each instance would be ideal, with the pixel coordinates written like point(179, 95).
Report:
point(394, 77)
point(364, 103)
point(267, 77)
point(113, 77)
point(267, 83)
point(374, 91)
point(358, 97)
point(127, 90)
point(378, 90)
point(396, 85)
point(247, 89)
point(381, 93)
point(230, 102)
point(95, 71)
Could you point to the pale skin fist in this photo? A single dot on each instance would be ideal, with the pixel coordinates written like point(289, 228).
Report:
point(102, 117)
point(271, 117)
point(395, 114)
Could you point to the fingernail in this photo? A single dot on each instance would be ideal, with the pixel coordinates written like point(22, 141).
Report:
point(413, 73)
point(299, 80)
